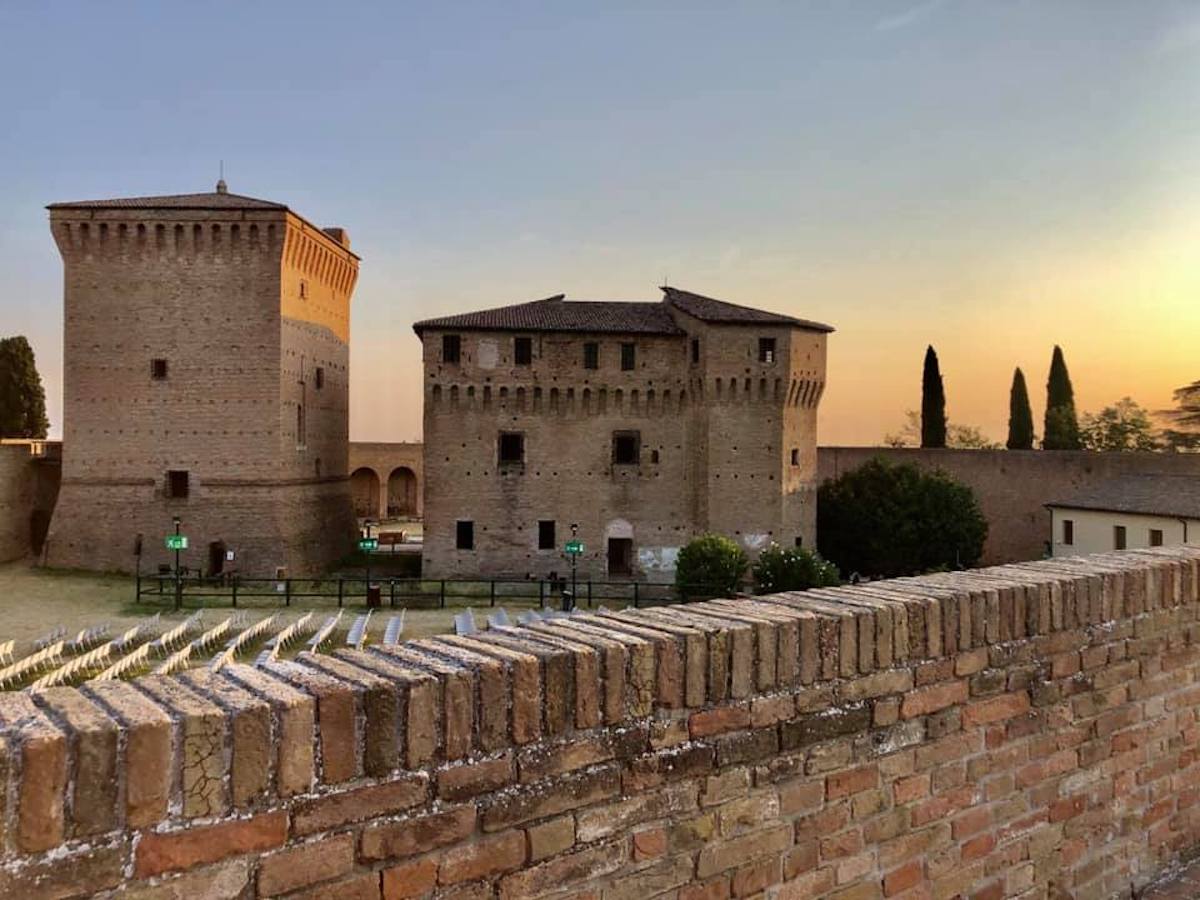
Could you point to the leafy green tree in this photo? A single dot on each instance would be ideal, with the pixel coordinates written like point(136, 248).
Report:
point(1020, 416)
point(1183, 432)
point(933, 402)
point(22, 398)
point(792, 569)
point(883, 519)
point(711, 563)
point(1123, 426)
point(1062, 426)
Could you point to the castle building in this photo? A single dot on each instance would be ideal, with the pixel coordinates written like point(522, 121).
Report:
point(629, 426)
point(206, 368)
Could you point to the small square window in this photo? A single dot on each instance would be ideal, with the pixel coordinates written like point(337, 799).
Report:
point(1156, 537)
point(546, 539)
point(1118, 537)
point(591, 355)
point(464, 535)
point(628, 357)
point(654, 456)
point(451, 348)
point(795, 456)
point(178, 484)
point(799, 540)
point(766, 350)
point(695, 350)
point(512, 448)
point(158, 369)
point(626, 448)
point(522, 351)
point(1068, 532)
point(319, 377)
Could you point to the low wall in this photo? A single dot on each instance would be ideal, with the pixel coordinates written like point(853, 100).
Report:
point(29, 476)
point(1024, 731)
point(1013, 486)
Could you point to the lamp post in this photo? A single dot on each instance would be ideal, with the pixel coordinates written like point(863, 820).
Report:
point(178, 584)
point(570, 605)
point(367, 525)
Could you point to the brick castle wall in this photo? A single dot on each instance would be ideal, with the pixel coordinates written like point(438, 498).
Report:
point(244, 306)
point(1025, 731)
point(29, 483)
point(1013, 486)
point(715, 454)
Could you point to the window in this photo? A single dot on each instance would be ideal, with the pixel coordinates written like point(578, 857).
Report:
point(464, 535)
point(626, 447)
point(695, 350)
point(654, 456)
point(795, 456)
point(1156, 537)
point(451, 348)
point(546, 535)
point(177, 483)
point(628, 357)
point(766, 350)
point(1118, 537)
point(319, 377)
point(799, 540)
point(512, 447)
point(303, 289)
point(158, 369)
point(522, 351)
point(591, 355)
point(1068, 532)
point(302, 417)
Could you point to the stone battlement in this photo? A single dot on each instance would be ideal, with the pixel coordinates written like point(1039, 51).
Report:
point(1023, 731)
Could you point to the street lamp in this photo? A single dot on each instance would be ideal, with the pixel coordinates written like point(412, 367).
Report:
point(570, 605)
point(178, 584)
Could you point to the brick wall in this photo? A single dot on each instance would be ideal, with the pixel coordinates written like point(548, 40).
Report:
point(29, 477)
point(1013, 486)
point(1024, 731)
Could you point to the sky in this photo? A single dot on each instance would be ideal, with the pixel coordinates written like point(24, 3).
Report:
point(991, 178)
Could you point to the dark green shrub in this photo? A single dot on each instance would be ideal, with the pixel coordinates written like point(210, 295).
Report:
point(711, 564)
point(792, 569)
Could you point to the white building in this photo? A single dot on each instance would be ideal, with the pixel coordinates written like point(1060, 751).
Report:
point(1129, 512)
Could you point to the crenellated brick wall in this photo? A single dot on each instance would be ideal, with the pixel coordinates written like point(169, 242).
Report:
point(1025, 731)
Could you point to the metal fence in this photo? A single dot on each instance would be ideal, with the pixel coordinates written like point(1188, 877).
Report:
point(410, 593)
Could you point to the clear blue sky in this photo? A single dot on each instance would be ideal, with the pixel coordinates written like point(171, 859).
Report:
point(991, 177)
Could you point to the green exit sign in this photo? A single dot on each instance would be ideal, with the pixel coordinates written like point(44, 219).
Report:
point(574, 547)
point(176, 541)
point(368, 543)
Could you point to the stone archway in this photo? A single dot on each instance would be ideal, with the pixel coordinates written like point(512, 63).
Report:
point(364, 489)
point(402, 493)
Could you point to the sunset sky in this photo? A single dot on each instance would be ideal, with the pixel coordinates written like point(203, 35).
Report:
point(989, 177)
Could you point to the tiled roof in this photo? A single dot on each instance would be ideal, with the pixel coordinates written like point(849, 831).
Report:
point(557, 314)
point(708, 309)
point(625, 317)
point(214, 200)
point(1151, 495)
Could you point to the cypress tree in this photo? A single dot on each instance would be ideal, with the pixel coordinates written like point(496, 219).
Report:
point(1020, 416)
point(933, 403)
point(22, 399)
point(1062, 425)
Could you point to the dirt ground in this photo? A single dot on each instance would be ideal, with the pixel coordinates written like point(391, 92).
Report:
point(35, 601)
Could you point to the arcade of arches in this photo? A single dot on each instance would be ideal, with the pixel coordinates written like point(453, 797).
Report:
point(386, 480)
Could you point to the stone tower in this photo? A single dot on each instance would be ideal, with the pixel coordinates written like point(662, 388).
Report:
point(206, 370)
point(644, 424)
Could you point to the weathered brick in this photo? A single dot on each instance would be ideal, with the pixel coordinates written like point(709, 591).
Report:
point(305, 865)
point(718, 857)
point(460, 782)
point(159, 852)
point(332, 810)
point(92, 737)
point(539, 802)
point(146, 761)
point(483, 858)
point(923, 701)
point(418, 834)
point(201, 726)
point(563, 871)
point(41, 748)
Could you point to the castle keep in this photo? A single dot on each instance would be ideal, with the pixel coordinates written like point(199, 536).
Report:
point(643, 423)
point(205, 378)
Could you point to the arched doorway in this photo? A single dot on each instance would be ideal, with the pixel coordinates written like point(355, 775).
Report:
point(402, 493)
point(364, 489)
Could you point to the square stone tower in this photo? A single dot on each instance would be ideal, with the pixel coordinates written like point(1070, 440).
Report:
point(644, 424)
point(206, 376)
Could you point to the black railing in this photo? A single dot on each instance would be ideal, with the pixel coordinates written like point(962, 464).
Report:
point(414, 593)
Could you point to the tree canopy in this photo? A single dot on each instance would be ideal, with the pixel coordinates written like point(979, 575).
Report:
point(886, 520)
point(958, 437)
point(1061, 431)
point(933, 402)
point(22, 398)
point(1183, 432)
point(1122, 426)
point(1020, 416)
